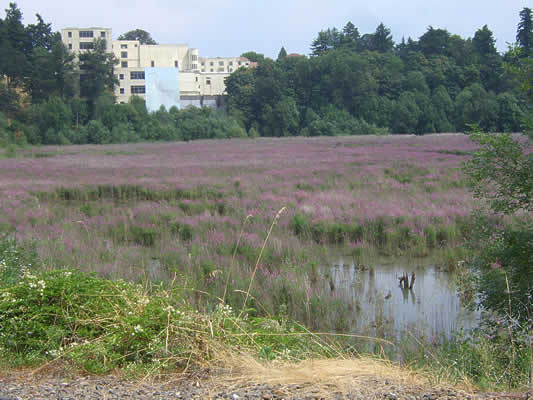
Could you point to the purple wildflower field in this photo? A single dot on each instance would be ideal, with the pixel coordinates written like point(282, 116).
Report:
point(389, 194)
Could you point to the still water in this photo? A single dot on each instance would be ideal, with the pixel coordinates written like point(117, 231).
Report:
point(432, 308)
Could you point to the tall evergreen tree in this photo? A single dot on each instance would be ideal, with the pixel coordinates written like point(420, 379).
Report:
point(282, 53)
point(325, 41)
point(15, 47)
point(484, 43)
point(96, 73)
point(350, 37)
point(524, 33)
point(382, 39)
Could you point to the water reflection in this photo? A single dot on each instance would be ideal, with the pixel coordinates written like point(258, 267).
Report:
point(382, 307)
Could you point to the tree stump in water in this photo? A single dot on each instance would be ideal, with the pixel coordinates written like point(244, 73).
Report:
point(404, 281)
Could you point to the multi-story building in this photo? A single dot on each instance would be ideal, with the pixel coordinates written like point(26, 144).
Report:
point(201, 80)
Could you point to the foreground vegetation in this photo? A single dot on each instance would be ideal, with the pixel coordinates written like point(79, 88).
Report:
point(96, 325)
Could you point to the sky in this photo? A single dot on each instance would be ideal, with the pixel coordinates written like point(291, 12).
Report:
point(231, 27)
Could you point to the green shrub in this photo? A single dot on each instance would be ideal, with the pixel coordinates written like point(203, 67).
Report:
point(300, 225)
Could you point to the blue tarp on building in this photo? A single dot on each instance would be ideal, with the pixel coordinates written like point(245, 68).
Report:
point(162, 88)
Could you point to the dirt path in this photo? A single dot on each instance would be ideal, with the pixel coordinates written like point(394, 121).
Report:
point(322, 379)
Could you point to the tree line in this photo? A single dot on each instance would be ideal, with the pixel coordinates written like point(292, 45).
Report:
point(350, 84)
point(357, 84)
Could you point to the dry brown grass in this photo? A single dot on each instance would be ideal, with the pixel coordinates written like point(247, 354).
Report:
point(325, 370)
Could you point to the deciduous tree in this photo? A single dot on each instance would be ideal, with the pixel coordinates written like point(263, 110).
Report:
point(138, 34)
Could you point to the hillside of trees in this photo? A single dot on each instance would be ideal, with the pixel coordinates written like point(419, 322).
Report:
point(356, 84)
point(350, 84)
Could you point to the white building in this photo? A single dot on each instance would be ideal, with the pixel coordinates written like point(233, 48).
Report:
point(201, 80)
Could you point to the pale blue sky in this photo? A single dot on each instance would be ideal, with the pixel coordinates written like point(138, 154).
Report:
point(231, 27)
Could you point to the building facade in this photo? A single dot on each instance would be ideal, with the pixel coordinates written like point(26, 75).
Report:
point(201, 79)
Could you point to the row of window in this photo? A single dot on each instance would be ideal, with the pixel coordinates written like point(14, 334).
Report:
point(141, 89)
point(133, 75)
point(87, 34)
point(124, 64)
point(135, 90)
point(221, 63)
point(218, 70)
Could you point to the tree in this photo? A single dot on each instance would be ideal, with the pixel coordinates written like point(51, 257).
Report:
point(96, 73)
point(9, 100)
point(282, 53)
point(524, 32)
point(41, 35)
point(434, 42)
point(138, 34)
point(501, 171)
point(350, 37)
point(52, 72)
point(484, 43)
point(254, 57)
point(326, 40)
point(15, 47)
point(240, 87)
point(382, 39)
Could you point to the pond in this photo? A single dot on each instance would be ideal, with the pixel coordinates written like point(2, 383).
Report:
point(381, 307)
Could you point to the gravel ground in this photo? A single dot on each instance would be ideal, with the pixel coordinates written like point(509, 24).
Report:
point(18, 386)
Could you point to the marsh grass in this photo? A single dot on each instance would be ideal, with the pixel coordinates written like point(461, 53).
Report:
point(127, 193)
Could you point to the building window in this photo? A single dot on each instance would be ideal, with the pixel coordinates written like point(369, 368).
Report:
point(196, 79)
point(203, 69)
point(221, 63)
point(211, 63)
point(195, 66)
point(86, 45)
point(203, 63)
point(123, 54)
point(123, 46)
point(211, 70)
point(102, 35)
point(231, 63)
point(231, 70)
point(138, 89)
point(121, 90)
point(124, 64)
point(70, 46)
point(70, 34)
point(137, 75)
point(194, 57)
point(176, 64)
point(208, 81)
point(86, 34)
point(121, 77)
point(152, 63)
